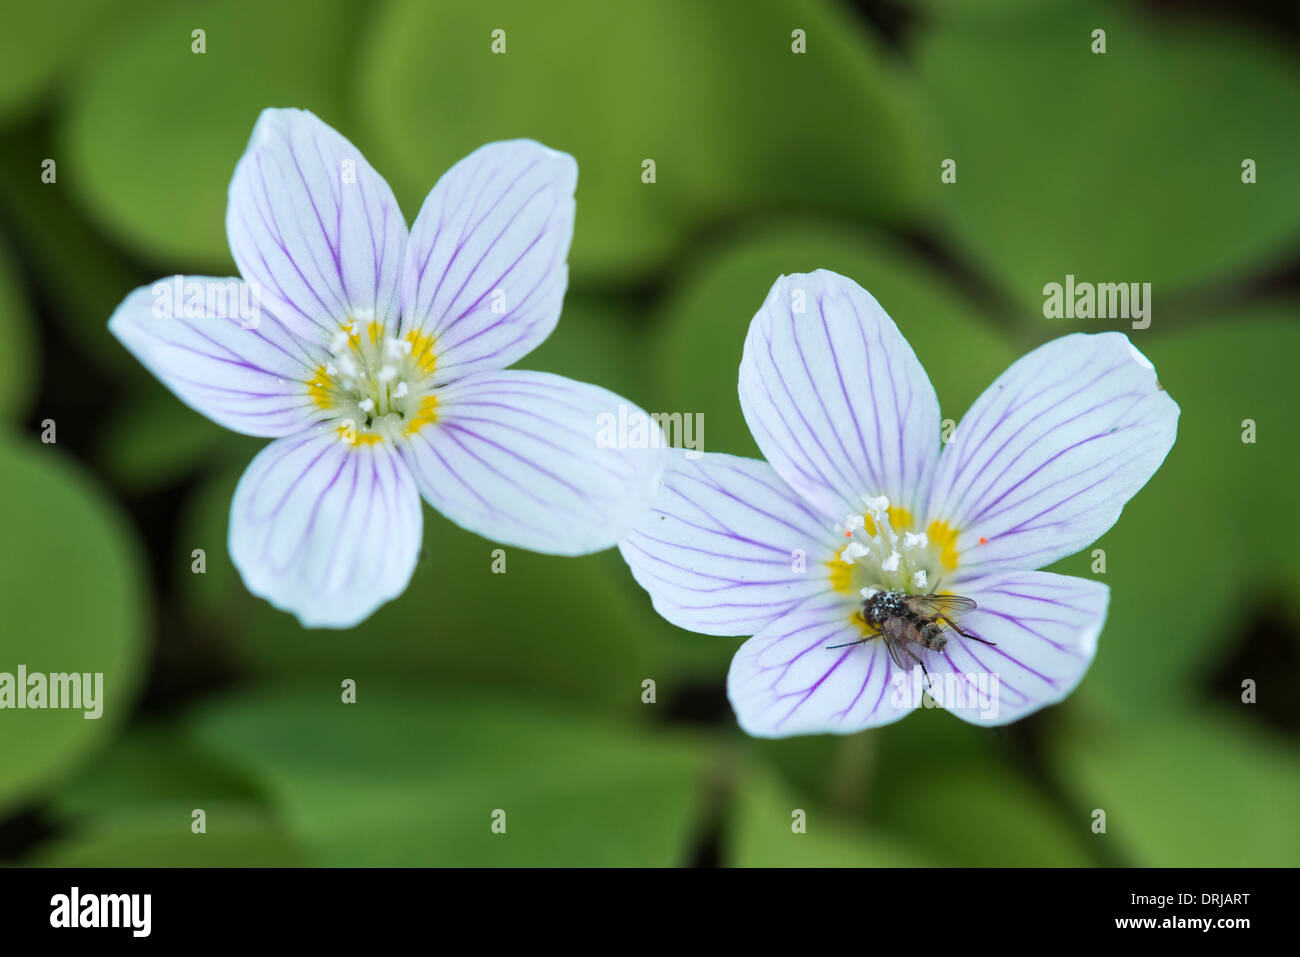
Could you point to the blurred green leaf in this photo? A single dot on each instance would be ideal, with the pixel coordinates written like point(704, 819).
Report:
point(153, 764)
point(596, 341)
point(155, 439)
point(83, 277)
point(38, 42)
point(760, 832)
point(954, 790)
point(1216, 524)
point(18, 362)
point(701, 327)
point(935, 789)
point(411, 778)
point(154, 130)
point(710, 92)
point(238, 835)
point(72, 587)
point(1189, 790)
point(1117, 167)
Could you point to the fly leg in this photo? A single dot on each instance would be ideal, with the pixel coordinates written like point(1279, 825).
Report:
point(848, 643)
point(860, 620)
point(963, 632)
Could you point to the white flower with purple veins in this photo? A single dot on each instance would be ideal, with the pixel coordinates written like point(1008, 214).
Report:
point(377, 364)
point(868, 560)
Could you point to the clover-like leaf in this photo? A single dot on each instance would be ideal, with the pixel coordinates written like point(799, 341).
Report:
point(1117, 166)
point(400, 778)
point(727, 116)
point(72, 587)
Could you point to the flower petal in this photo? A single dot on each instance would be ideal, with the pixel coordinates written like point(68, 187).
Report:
point(1046, 458)
point(727, 547)
point(325, 529)
point(486, 266)
point(791, 679)
point(241, 369)
point(312, 223)
point(835, 397)
point(1044, 630)
point(521, 458)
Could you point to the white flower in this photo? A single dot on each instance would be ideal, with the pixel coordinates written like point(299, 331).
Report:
point(375, 360)
point(1041, 466)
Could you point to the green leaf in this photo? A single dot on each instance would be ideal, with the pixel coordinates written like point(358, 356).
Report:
point(701, 327)
point(954, 790)
point(238, 835)
point(1189, 790)
point(929, 789)
point(712, 93)
point(1117, 167)
point(409, 778)
point(83, 277)
point(597, 340)
point(155, 439)
point(761, 832)
point(152, 764)
point(39, 41)
point(72, 588)
point(154, 130)
point(18, 360)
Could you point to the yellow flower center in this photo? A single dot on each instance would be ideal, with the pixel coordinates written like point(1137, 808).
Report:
point(881, 552)
point(375, 385)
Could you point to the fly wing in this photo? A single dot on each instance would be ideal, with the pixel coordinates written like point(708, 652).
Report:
point(903, 641)
point(935, 606)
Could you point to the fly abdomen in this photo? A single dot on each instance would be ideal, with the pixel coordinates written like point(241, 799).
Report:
point(932, 635)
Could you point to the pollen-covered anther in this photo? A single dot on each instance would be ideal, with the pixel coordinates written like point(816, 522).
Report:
point(397, 348)
point(913, 541)
point(853, 551)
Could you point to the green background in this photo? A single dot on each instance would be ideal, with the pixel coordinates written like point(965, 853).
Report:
point(523, 692)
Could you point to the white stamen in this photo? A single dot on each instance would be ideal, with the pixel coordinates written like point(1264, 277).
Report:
point(394, 348)
point(854, 522)
point(852, 551)
point(890, 564)
point(912, 542)
point(387, 374)
point(877, 505)
point(400, 390)
point(331, 369)
point(367, 405)
point(918, 580)
point(339, 343)
point(347, 365)
point(869, 592)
